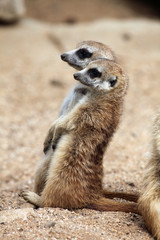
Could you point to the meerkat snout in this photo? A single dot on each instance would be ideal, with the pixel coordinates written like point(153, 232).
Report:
point(76, 76)
point(64, 57)
point(82, 77)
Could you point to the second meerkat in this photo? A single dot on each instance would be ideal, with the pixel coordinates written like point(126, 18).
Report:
point(75, 173)
point(149, 201)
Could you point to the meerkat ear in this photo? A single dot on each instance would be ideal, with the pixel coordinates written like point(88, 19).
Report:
point(112, 80)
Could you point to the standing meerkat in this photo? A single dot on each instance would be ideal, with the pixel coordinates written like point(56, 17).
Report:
point(75, 173)
point(79, 58)
point(84, 53)
point(149, 201)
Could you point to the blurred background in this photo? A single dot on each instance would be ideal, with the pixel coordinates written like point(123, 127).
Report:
point(72, 11)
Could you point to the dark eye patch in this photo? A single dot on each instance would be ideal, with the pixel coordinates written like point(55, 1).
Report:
point(83, 53)
point(94, 73)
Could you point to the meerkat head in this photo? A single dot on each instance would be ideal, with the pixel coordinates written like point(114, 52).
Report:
point(104, 75)
point(87, 52)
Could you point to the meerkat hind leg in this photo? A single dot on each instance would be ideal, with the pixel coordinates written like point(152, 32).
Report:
point(32, 198)
point(41, 173)
point(133, 197)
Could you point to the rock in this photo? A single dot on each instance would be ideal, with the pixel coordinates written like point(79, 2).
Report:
point(12, 214)
point(27, 205)
point(11, 10)
point(50, 224)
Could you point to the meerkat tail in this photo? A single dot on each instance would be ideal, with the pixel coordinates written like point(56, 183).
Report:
point(133, 197)
point(32, 198)
point(104, 204)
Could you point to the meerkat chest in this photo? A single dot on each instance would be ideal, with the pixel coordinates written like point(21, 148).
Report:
point(77, 95)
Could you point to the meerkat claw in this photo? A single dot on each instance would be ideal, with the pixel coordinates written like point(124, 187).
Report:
point(32, 198)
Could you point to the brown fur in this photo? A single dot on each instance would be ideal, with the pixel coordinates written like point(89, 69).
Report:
point(41, 173)
point(133, 197)
point(100, 51)
point(103, 50)
point(74, 177)
point(149, 201)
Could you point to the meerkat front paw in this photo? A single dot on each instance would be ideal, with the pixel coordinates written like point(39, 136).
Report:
point(48, 139)
point(55, 142)
point(27, 195)
point(46, 144)
point(32, 198)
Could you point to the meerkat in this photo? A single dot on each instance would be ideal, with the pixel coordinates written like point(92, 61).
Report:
point(149, 201)
point(75, 173)
point(79, 58)
point(84, 53)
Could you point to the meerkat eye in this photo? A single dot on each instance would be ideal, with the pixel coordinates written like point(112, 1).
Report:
point(94, 73)
point(112, 80)
point(83, 53)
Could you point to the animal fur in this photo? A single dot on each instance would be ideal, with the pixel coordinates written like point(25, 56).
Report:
point(74, 176)
point(95, 50)
point(91, 51)
point(149, 201)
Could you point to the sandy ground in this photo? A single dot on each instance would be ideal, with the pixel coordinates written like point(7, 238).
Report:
point(33, 83)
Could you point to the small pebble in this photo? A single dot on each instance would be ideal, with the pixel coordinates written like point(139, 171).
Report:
point(50, 224)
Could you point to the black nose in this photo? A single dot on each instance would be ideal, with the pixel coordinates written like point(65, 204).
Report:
point(64, 57)
point(76, 76)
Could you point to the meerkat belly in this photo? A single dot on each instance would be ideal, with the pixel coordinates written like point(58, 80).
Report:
point(74, 179)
